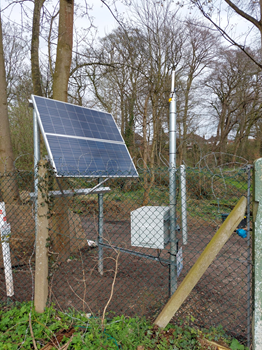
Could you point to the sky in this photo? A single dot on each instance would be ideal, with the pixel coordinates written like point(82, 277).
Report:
point(104, 21)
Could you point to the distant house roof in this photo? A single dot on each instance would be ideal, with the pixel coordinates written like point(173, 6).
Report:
point(212, 139)
point(196, 138)
point(215, 140)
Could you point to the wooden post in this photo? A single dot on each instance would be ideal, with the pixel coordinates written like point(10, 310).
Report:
point(202, 263)
point(41, 270)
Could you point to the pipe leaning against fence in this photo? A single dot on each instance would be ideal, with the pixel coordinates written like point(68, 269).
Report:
point(202, 263)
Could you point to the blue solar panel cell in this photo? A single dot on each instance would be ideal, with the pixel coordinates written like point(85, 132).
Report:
point(42, 109)
point(90, 158)
point(83, 122)
point(81, 141)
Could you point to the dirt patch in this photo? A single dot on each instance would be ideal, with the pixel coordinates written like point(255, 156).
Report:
point(21, 219)
point(22, 239)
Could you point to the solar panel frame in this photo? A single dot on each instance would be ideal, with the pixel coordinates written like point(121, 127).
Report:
point(86, 129)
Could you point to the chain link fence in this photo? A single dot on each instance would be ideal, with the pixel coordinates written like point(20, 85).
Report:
point(109, 249)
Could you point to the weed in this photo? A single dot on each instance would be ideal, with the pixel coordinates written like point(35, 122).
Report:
point(73, 330)
point(235, 345)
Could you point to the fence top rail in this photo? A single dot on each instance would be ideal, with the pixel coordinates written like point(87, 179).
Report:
point(57, 193)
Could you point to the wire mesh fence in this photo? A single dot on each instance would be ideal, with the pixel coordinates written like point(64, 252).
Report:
point(109, 244)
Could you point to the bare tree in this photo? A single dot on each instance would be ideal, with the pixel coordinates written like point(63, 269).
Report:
point(35, 70)
point(199, 53)
point(64, 50)
point(21, 122)
point(237, 103)
point(8, 185)
point(249, 114)
point(15, 55)
point(250, 10)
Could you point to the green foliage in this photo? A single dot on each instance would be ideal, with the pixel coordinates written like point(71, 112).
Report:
point(118, 333)
point(235, 345)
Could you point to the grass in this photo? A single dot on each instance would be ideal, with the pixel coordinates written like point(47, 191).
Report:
point(22, 328)
point(208, 194)
point(208, 209)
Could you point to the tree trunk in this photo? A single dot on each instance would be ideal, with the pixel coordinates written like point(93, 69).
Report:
point(35, 71)
point(64, 51)
point(8, 184)
point(237, 144)
point(61, 238)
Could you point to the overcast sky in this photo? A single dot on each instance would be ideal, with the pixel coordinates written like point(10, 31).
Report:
point(103, 19)
point(105, 22)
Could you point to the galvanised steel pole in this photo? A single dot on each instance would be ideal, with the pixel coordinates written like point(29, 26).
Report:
point(257, 255)
point(248, 260)
point(36, 160)
point(183, 203)
point(172, 187)
point(100, 231)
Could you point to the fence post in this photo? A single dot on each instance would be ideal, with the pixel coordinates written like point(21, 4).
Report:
point(100, 231)
point(41, 270)
point(257, 255)
point(183, 203)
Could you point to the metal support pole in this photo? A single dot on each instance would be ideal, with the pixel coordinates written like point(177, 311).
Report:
point(100, 231)
point(172, 187)
point(257, 256)
point(248, 261)
point(36, 160)
point(183, 203)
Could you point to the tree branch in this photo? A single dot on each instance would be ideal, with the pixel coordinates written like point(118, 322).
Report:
point(245, 15)
point(224, 34)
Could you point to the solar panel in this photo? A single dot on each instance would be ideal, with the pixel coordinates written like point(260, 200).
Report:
point(82, 141)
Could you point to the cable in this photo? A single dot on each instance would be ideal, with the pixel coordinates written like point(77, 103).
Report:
point(158, 256)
